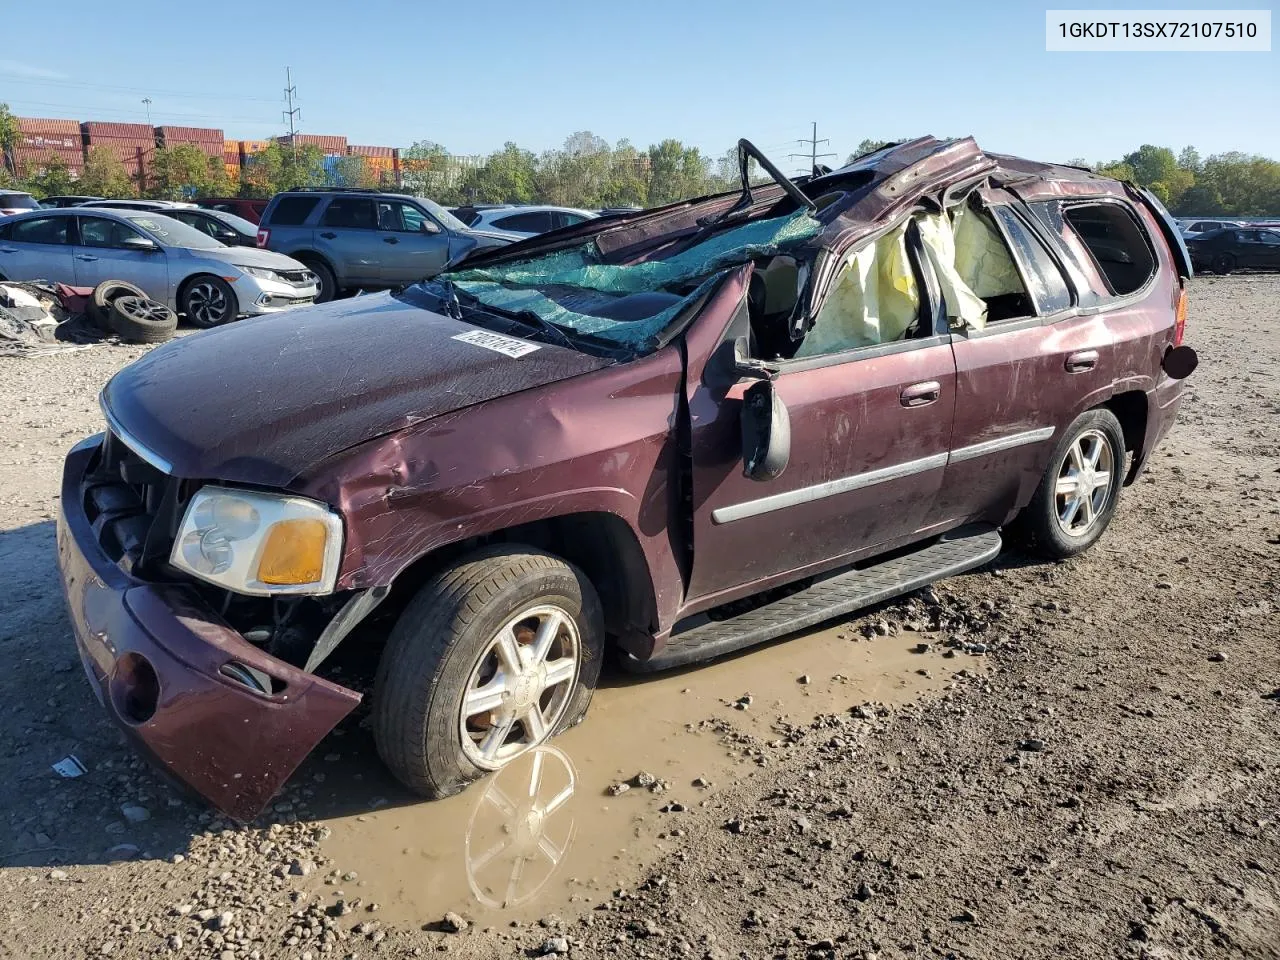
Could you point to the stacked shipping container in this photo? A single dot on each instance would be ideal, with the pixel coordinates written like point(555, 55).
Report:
point(329, 146)
point(40, 139)
point(382, 162)
point(133, 143)
point(207, 140)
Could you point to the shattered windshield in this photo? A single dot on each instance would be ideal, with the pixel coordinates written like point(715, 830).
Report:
point(626, 304)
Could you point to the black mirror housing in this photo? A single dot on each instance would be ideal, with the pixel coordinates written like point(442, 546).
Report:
point(766, 432)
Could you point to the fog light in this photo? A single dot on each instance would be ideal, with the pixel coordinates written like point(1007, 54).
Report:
point(135, 688)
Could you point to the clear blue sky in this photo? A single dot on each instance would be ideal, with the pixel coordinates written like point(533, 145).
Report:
point(473, 75)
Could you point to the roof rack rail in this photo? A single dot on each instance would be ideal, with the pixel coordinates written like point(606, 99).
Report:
point(332, 190)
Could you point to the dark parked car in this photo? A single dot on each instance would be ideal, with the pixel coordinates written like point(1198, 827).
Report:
point(57, 203)
point(362, 239)
point(1234, 248)
point(673, 434)
point(225, 227)
point(249, 209)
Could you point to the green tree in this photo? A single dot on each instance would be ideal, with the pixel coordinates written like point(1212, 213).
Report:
point(105, 176)
point(627, 184)
point(427, 170)
point(676, 172)
point(865, 147)
point(353, 171)
point(279, 168)
point(8, 136)
point(506, 177)
point(52, 179)
point(179, 171)
point(1189, 159)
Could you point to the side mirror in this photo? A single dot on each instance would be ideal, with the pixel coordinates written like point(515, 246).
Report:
point(766, 432)
point(429, 226)
point(140, 244)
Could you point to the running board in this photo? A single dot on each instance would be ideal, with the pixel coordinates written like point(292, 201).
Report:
point(835, 596)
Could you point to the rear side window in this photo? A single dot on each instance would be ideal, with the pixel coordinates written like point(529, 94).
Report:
point(355, 212)
point(18, 201)
point(293, 211)
point(1116, 242)
point(40, 230)
point(1044, 280)
point(539, 222)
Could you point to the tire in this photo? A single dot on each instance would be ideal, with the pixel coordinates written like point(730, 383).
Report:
point(1041, 524)
point(446, 644)
point(208, 301)
point(326, 283)
point(140, 320)
point(1223, 263)
point(104, 294)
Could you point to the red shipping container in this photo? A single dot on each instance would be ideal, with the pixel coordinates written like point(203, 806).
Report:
point(364, 151)
point(29, 160)
point(332, 146)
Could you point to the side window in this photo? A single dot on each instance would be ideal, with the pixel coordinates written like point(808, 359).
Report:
point(539, 222)
point(40, 230)
point(1246, 236)
point(401, 217)
point(100, 232)
point(1269, 237)
point(1043, 279)
point(568, 219)
point(1116, 242)
point(292, 211)
point(353, 212)
point(875, 298)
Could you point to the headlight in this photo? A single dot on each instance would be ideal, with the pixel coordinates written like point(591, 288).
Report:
point(262, 273)
point(259, 543)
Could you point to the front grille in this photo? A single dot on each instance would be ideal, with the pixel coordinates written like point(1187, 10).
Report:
point(297, 277)
point(135, 508)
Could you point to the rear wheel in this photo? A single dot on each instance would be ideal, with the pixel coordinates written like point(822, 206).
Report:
point(104, 295)
point(209, 301)
point(1223, 263)
point(494, 656)
point(1079, 491)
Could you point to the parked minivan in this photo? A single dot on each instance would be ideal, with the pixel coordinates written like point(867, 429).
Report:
point(667, 435)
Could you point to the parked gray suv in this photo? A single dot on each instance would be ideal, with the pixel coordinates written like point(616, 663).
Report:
point(364, 239)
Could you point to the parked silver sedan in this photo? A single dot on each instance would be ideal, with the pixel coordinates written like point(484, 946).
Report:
point(174, 263)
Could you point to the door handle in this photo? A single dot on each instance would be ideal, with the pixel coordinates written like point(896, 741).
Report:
point(1081, 360)
point(329, 236)
point(921, 394)
point(85, 256)
point(390, 240)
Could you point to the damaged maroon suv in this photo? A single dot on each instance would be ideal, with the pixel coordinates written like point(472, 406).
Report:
point(671, 435)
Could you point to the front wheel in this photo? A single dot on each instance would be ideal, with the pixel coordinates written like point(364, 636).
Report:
point(1224, 263)
point(1079, 491)
point(209, 302)
point(492, 657)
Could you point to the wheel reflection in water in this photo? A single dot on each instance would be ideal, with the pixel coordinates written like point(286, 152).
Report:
point(521, 828)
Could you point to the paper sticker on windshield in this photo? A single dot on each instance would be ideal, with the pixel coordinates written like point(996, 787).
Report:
point(507, 346)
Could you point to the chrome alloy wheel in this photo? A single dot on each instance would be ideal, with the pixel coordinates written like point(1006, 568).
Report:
point(207, 305)
point(520, 686)
point(1084, 483)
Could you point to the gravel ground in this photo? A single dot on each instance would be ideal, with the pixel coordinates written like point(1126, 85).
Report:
point(1101, 778)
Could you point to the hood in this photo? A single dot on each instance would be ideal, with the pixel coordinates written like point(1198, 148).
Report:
point(260, 401)
point(495, 238)
point(249, 257)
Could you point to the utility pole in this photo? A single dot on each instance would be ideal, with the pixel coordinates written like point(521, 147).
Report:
point(147, 101)
point(292, 113)
point(813, 154)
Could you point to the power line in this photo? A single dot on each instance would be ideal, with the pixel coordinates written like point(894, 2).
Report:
point(813, 142)
point(101, 86)
point(15, 104)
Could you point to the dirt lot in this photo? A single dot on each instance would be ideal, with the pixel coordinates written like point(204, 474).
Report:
point(1085, 762)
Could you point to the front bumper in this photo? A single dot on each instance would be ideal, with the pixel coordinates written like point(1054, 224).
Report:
point(155, 656)
point(258, 296)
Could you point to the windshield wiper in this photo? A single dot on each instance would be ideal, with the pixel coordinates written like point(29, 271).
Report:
point(527, 317)
point(452, 306)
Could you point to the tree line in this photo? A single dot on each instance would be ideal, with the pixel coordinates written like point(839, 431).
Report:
point(586, 171)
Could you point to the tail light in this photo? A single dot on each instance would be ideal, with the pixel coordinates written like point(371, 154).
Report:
point(1179, 316)
point(264, 236)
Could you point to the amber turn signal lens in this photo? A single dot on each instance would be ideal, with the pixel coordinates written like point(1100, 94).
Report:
point(293, 553)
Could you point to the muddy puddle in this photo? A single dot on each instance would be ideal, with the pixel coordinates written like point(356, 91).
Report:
point(544, 834)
